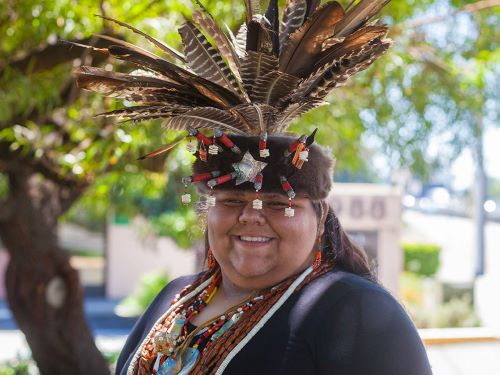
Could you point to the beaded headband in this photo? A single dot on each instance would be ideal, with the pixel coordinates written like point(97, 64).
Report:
point(247, 89)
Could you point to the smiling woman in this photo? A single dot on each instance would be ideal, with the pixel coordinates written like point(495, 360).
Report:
point(285, 290)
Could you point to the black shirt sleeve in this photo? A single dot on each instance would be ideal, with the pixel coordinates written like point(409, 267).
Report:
point(368, 332)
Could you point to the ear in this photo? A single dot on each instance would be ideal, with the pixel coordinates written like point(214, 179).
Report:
point(324, 212)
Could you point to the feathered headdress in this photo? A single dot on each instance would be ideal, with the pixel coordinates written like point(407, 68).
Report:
point(252, 85)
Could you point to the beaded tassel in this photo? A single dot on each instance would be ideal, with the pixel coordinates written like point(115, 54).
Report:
point(211, 199)
point(202, 152)
point(213, 149)
point(301, 152)
point(191, 146)
point(257, 202)
point(210, 258)
point(221, 179)
point(226, 141)
point(263, 150)
point(289, 211)
point(301, 140)
point(317, 259)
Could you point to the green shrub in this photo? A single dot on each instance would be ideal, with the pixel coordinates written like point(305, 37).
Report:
point(422, 259)
point(458, 312)
point(136, 303)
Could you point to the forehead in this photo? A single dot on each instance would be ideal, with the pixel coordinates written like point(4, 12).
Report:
point(251, 194)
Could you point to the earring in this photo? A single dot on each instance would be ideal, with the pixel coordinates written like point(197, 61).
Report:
point(210, 258)
point(317, 259)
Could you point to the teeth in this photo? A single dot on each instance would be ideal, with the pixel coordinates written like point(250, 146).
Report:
point(254, 239)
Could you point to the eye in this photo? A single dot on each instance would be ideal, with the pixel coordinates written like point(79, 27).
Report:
point(232, 202)
point(277, 205)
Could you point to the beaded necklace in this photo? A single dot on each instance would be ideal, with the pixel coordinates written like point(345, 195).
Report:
point(178, 349)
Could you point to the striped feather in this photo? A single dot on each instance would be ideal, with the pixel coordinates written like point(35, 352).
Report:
point(292, 112)
point(293, 17)
point(256, 116)
point(255, 65)
point(271, 87)
point(208, 118)
point(204, 59)
point(164, 47)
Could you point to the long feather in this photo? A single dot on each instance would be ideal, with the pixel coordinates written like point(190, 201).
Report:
point(219, 95)
point(204, 59)
point(256, 116)
point(164, 47)
point(293, 17)
point(206, 21)
point(292, 112)
point(258, 38)
point(312, 5)
point(358, 15)
point(163, 149)
point(239, 42)
point(256, 65)
point(305, 44)
point(146, 111)
point(271, 87)
point(338, 74)
point(252, 8)
point(273, 25)
point(208, 118)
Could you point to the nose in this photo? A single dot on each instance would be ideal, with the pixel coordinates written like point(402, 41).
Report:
point(250, 215)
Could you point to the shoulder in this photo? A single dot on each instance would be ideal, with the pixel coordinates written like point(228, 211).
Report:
point(156, 309)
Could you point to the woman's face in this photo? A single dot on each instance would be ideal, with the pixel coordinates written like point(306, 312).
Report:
point(259, 248)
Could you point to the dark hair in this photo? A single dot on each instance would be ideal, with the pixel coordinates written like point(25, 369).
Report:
point(338, 247)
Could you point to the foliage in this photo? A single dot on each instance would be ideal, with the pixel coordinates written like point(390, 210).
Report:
point(424, 300)
point(149, 286)
point(422, 259)
point(19, 366)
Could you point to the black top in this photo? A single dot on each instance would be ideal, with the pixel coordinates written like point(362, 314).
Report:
point(338, 324)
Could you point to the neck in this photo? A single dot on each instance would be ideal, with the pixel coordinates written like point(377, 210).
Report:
point(232, 291)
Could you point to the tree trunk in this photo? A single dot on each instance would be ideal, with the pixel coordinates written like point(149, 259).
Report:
point(43, 290)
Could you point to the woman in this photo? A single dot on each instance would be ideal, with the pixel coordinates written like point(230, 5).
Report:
point(286, 292)
point(289, 310)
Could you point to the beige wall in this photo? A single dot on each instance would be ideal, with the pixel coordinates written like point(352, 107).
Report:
point(374, 208)
point(130, 255)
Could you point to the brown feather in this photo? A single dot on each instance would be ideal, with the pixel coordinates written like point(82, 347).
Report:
point(208, 118)
point(256, 116)
point(258, 38)
point(204, 59)
point(163, 149)
point(292, 112)
point(273, 86)
point(358, 15)
point(164, 47)
point(255, 65)
point(305, 44)
point(293, 17)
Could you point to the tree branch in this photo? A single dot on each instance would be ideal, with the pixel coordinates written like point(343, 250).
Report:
point(50, 55)
point(6, 209)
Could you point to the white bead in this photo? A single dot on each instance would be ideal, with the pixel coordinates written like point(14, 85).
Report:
point(289, 212)
point(186, 198)
point(211, 201)
point(213, 150)
point(191, 147)
point(304, 155)
point(264, 153)
point(257, 204)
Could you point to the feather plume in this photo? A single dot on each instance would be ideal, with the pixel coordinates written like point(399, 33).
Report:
point(271, 87)
point(208, 118)
point(239, 42)
point(163, 149)
point(312, 5)
point(293, 17)
point(256, 116)
point(254, 66)
point(204, 59)
point(294, 111)
point(305, 44)
point(205, 20)
point(358, 15)
point(164, 47)
point(146, 112)
point(273, 25)
point(258, 38)
point(252, 8)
